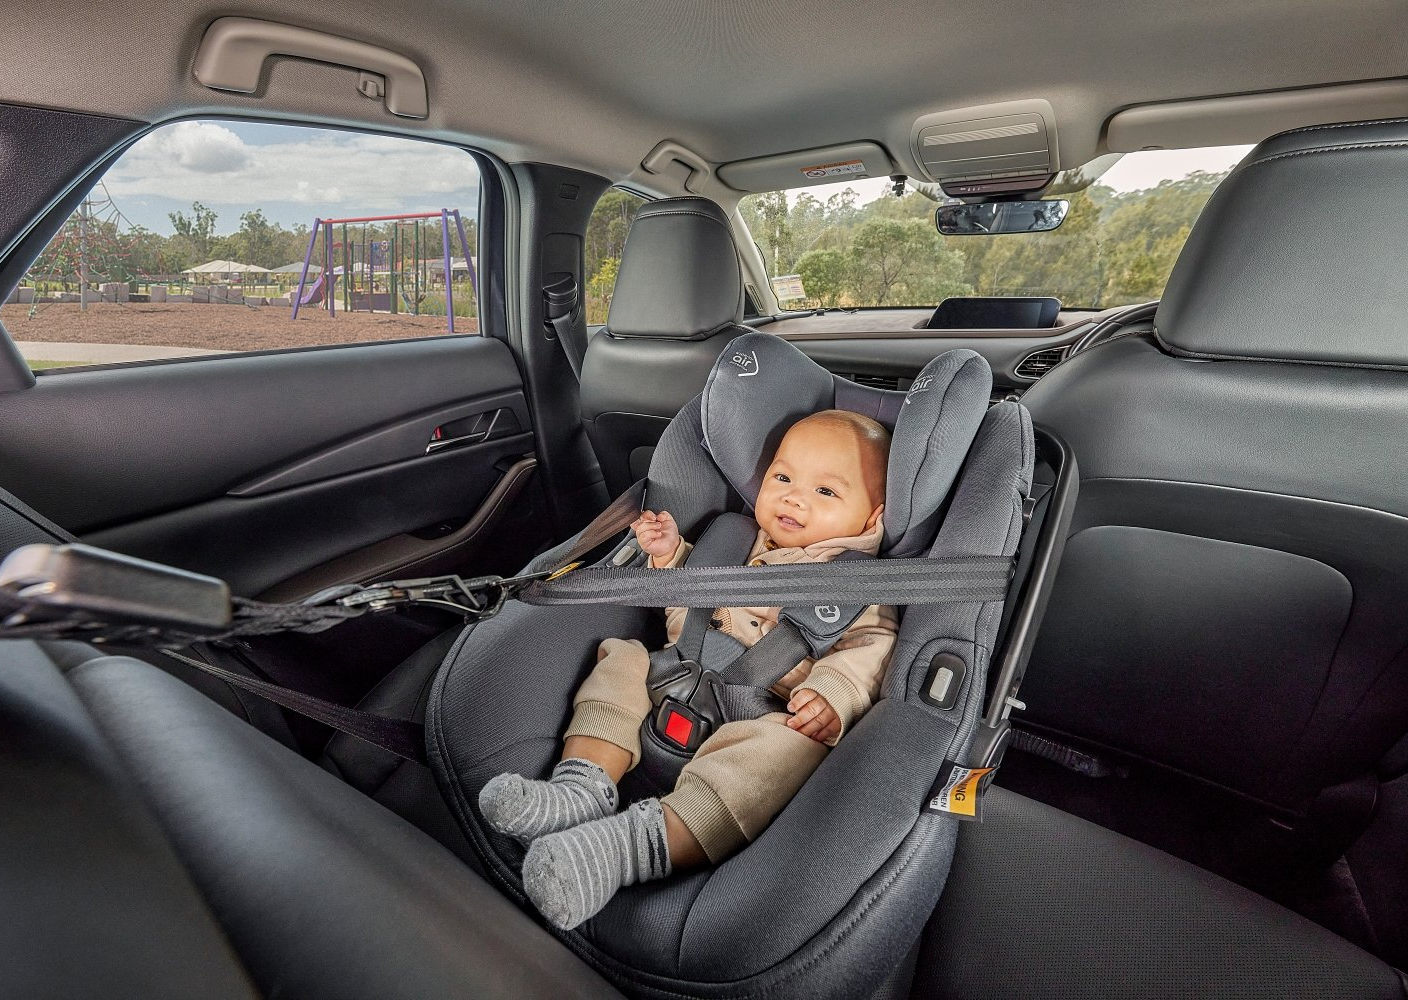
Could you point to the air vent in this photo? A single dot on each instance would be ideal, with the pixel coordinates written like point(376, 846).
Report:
point(1037, 364)
point(891, 382)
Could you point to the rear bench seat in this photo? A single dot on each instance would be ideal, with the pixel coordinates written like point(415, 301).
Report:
point(154, 844)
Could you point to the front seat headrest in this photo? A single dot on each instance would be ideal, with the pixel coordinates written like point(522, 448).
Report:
point(679, 277)
point(1298, 255)
point(761, 385)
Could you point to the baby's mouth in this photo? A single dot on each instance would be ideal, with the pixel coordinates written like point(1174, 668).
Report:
point(788, 522)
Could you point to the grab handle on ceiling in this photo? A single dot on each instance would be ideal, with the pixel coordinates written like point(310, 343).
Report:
point(234, 49)
point(669, 154)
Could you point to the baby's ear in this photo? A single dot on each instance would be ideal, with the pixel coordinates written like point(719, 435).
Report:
point(874, 518)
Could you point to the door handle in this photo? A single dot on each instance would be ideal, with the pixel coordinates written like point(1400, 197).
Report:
point(234, 49)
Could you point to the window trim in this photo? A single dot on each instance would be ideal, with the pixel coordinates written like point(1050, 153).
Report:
point(34, 237)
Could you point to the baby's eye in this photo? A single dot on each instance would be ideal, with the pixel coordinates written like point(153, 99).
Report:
point(826, 491)
point(781, 478)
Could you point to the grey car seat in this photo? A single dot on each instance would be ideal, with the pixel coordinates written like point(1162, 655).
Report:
point(503, 695)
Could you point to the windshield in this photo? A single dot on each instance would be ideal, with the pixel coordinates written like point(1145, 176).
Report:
point(857, 244)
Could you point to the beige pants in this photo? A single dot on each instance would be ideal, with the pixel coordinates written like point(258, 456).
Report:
point(739, 779)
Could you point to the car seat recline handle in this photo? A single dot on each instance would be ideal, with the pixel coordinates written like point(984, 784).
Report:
point(233, 52)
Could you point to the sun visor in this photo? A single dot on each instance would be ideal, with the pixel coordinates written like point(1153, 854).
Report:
point(1249, 118)
point(806, 167)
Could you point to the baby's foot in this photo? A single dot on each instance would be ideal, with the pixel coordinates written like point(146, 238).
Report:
point(522, 808)
point(571, 875)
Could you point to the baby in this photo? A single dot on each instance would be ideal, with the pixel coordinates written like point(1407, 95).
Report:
point(822, 495)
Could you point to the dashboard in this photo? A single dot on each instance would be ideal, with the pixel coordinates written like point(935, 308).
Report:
point(886, 348)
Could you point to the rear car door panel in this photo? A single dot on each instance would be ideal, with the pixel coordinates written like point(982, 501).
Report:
point(257, 468)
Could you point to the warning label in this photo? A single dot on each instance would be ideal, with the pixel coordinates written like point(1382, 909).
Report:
point(823, 170)
point(958, 791)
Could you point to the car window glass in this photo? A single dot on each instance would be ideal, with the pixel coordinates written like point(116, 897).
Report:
point(217, 236)
point(606, 238)
point(858, 244)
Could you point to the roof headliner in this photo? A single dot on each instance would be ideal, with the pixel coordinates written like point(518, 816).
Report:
point(597, 83)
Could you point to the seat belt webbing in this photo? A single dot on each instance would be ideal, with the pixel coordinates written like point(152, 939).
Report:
point(401, 737)
point(879, 581)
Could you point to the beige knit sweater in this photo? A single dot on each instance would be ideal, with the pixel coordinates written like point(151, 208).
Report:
point(849, 675)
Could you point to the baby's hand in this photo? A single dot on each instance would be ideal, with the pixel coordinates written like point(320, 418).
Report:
point(813, 716)
point(657, 534)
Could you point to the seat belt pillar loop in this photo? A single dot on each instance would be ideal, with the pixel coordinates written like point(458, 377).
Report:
point(560, 300)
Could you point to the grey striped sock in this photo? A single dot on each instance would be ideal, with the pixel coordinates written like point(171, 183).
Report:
point(571, 875)
point(520, 807)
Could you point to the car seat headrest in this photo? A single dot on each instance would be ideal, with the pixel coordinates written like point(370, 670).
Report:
point(761, 385)
point(1298, 255)
point(679, 277)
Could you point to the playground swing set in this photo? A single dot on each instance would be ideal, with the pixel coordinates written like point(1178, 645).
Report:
point(382, 275)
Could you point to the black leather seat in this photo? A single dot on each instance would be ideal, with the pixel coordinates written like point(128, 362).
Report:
point(155, 845)
point(1041, 905)
point(678, 301)
point(1231, 601)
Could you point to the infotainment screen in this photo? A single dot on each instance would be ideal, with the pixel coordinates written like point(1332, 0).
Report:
point(995, 313)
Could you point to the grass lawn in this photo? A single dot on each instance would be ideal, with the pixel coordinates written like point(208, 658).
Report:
point(36, 365)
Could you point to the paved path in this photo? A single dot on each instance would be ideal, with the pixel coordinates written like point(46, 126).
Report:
point(102, 354)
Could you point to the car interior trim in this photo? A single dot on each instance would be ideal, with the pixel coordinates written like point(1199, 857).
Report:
point(408, 555)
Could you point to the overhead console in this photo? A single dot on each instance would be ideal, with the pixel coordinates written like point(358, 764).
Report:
point(992, 149)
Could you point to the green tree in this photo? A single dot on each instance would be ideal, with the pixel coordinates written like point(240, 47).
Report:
point(824, 275)
point(899, 263)
point(258, 240)
point(768, 219)
point(599, 288)
point(605, 239)
point(197, 229)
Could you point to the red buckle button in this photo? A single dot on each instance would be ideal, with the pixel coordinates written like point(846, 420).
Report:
point(678, 728)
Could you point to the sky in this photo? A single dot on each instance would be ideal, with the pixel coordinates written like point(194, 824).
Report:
point(293, 174)
point(1132, 172)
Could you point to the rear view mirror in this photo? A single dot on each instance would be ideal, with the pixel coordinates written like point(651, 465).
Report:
point(995, 217)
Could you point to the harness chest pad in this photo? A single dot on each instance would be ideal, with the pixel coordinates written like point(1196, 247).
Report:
point(502, 698)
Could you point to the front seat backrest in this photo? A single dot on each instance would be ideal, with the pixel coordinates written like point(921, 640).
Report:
point(1231, 600)
point(678, 301)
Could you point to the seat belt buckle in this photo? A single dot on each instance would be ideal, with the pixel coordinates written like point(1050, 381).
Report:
point(680, 726)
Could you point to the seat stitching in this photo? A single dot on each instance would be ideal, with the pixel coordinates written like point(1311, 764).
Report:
point(1324, 128)
point(1328, 149)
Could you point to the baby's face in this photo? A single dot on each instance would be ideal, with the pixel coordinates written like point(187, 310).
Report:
point(822, 483)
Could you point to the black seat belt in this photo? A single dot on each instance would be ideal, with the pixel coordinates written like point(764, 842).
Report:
point(77, 592)
point(401, 737)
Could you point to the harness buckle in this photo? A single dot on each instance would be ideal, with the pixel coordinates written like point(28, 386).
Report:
point(681, 725)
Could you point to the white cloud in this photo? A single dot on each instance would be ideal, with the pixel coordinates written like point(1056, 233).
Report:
point(333, 173)
point(197, 148)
